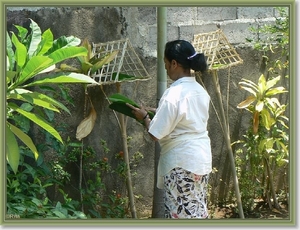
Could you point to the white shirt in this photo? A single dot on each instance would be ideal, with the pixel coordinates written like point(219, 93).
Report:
point(180, 125)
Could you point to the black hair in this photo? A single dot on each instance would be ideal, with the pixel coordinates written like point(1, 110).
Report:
point(184, 53)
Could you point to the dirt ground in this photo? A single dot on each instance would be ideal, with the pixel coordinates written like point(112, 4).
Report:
point(261, 211)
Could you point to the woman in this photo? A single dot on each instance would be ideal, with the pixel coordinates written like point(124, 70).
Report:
point(180, 127)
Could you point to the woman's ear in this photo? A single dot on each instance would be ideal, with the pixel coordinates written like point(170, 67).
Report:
point(174, 63)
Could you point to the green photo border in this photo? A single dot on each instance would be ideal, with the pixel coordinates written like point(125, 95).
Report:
point(160, 222)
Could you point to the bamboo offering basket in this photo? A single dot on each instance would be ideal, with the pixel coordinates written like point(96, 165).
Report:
point(219, 52)
point(126, 65)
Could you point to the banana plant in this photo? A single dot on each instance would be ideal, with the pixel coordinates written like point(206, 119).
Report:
point(31, 62)
point(263, 95)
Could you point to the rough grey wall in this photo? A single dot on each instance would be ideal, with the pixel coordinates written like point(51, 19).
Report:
point(139, 24)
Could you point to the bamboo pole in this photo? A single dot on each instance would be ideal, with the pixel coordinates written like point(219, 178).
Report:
point(126, 159)
point(225, 126)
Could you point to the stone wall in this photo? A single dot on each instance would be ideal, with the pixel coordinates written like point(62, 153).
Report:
point(139, 24)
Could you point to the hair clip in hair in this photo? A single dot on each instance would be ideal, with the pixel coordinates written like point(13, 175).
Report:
point(190, 57)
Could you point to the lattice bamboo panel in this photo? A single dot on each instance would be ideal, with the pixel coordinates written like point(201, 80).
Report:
point(126, 66)
point(215, 46)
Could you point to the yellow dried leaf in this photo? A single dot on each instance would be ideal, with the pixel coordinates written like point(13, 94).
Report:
point(247, 102)
point(86, 125)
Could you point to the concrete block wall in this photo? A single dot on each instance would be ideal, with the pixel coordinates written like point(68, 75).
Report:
point(185, 22)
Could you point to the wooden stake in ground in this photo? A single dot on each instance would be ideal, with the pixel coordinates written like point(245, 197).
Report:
point(126, 158)
point(225, 127)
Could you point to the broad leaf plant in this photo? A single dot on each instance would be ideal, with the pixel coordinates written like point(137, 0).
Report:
point(32, 56)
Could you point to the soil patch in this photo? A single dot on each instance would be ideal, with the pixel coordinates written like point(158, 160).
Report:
point(261, 211)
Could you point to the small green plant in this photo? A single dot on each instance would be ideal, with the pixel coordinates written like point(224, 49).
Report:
point(97, 201)
point(273, 40)
point(267, 108)
point(273, 36)
point(27, 195)
point(266, 141)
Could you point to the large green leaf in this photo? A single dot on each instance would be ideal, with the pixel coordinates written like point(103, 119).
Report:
point(64, 78)
point(36, 37)
point(22, 33)
point(25, 139)
point(37, 120)
point(66, 53)
point(117, 97)
point(119, 104)
point(10, 76)
point(37, 98)
point(46, 43)
point(12, 149)
point(26, 61)
point(121, 107)
point(35, 65)
point(10, 53)
point(63, 42)
point(20, 53)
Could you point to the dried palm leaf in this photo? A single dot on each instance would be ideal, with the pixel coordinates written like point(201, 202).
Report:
point(86, 125)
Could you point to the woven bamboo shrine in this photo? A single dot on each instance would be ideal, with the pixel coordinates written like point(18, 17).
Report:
point(126, 65)
point(219, 52)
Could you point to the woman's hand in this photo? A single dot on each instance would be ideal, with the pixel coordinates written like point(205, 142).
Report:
point(153, 110)
point(139, 113)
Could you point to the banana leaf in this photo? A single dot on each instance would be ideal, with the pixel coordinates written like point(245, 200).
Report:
point(118, 103)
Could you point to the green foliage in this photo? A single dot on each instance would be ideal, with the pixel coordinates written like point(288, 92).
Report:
point(262, 154)
point(273, 36)
point(31, 59)
point(97, 202)
point(32, 80)
point(273, 39)
point(264, 147)
point(27, 195)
